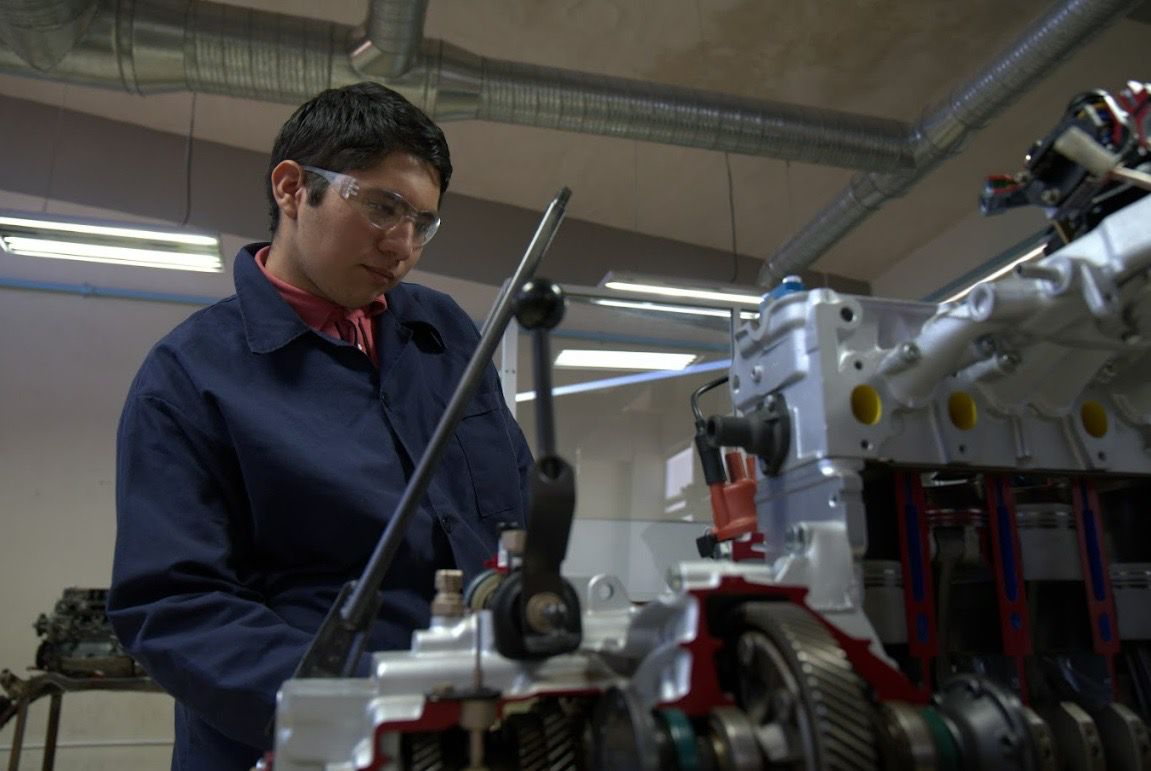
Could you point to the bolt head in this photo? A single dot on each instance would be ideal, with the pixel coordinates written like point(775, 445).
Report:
point(554, 612)
point(450, 581)
point(545, 612)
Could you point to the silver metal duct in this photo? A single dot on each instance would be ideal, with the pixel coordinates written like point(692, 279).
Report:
point(596, 104)
point(1038, 49)
point(42, 33)
point(391, 38)
point(150, 46)
point(156, 47)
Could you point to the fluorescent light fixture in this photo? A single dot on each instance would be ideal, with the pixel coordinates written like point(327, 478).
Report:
point(686, 310)
point(64, 238)
point(571, 358)
point(621, 381)
point(687, 290)
point(1037, 251)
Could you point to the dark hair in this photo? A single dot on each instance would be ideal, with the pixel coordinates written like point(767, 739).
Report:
point(355, 127)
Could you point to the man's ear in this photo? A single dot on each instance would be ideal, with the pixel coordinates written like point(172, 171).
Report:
point(289, 188)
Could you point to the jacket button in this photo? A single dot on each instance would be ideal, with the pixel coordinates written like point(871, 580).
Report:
point(448, 522)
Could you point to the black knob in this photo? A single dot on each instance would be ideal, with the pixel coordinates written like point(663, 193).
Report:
point(540, 305)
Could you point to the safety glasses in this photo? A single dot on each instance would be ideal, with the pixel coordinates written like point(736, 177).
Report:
point(383, 208)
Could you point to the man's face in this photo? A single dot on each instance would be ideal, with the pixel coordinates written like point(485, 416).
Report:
point(332, 249)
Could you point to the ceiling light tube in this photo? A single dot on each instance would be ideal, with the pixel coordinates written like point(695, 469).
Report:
point(109, 243)
point(686, 292)
point(687, 289)
point(130, 263)
point(571, 358)
point(72, 249)
point(627, 380)
point(684, 309)
point(8, 222)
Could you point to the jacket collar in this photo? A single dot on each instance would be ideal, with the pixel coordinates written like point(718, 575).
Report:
point(270, 323)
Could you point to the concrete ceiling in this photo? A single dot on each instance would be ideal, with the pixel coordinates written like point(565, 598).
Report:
point(887, 58)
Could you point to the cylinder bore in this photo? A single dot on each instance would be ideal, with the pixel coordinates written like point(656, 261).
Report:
point(961, 410)
point(866, 404)
point(1094, 417)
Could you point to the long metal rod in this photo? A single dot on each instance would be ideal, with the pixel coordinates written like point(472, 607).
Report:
point(356, 610)
point(18, 737)
point(53, 733)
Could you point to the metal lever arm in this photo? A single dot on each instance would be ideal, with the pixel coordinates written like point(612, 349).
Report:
point(536, 610)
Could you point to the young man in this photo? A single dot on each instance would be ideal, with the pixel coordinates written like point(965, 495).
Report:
point(266, 440)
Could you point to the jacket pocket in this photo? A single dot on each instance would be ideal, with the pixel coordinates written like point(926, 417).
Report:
point(490, 457)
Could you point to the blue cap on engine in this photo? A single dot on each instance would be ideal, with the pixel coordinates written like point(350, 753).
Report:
point(787, 286)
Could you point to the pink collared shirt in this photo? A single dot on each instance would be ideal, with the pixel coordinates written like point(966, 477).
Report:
point(354, 326)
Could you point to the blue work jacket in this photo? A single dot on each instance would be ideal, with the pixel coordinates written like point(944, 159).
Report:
point(258, 463)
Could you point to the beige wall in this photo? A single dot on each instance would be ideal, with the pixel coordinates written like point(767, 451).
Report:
point(67, 362)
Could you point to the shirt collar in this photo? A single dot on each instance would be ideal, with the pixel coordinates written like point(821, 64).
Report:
point(271, 323)
point(315, 311)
